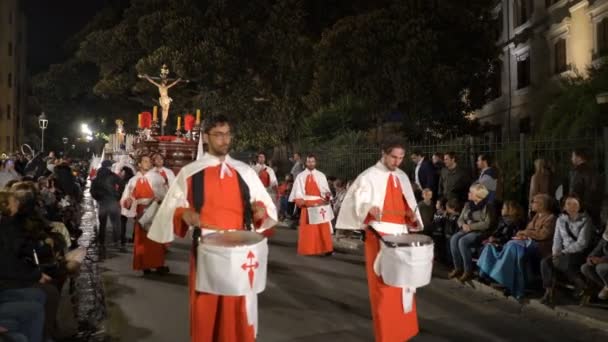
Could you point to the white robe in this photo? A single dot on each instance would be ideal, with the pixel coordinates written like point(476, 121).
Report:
point(369, 190)
point(299, 185)
point(162, 227)
point(273, 177)
point(156, 183)
point(168, 172)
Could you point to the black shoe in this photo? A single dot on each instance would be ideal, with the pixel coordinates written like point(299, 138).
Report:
point(162, 270)
point(147, 271)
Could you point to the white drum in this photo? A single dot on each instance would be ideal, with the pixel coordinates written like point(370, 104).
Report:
point(320, 214)
point(232, 263)
point(405, 260)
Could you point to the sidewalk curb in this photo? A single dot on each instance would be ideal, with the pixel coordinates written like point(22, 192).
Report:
point(535, 305)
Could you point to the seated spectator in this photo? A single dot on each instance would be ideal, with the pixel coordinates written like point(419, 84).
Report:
point(445, 224)
point(573, 232)
point(475, 220)
point(25, 249)
point(427, 210)
point(511, 221)
point(22, 313)
point(510, 266)
point(596, 267)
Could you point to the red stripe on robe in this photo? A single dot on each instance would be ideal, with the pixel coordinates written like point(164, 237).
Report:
point(391, 324)
point(265, 178)
point(313, 239)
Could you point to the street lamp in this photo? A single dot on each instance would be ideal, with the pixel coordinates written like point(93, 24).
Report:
point(43, 123)
point(65, 144)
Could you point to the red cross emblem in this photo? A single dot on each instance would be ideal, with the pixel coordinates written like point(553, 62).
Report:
point(251, 266)
point(322, 212)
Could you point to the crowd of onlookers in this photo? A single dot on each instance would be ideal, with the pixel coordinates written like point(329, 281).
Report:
point(40, 211)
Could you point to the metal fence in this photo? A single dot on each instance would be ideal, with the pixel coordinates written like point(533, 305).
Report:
point(514, 160)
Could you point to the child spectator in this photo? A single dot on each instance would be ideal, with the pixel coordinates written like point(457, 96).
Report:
point(427, 210)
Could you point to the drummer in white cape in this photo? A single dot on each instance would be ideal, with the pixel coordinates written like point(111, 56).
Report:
point(218, 193)
point(140, 195)
point(165, 172)
point(267, 176)
point(381, 197)
point(311, 193)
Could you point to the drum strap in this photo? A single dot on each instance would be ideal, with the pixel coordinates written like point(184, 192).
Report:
point(247, 210)
point(198, 183)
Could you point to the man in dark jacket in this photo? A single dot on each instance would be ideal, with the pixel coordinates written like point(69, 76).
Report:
point(105, 190)
point(454, 181)
point(425, 175)
point(584, 182)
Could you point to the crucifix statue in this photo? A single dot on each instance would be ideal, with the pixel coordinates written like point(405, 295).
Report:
point(163, 88)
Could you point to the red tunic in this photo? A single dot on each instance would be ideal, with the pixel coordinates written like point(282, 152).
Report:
point(391, 324)
point(265, 177)
point(164, 175)
point(216, 318)
point(313, 239)
point(147, 254)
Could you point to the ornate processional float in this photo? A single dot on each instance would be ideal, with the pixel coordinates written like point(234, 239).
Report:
point(178, 149)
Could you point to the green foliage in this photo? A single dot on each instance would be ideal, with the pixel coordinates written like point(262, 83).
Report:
point(571, 109)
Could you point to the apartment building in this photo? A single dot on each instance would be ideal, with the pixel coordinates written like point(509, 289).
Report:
point(541, 40)
point(13, 74)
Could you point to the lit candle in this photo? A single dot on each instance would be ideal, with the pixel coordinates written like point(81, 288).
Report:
point(155, 114)
point(198, 116)
point(179, 122)
point(138, 120)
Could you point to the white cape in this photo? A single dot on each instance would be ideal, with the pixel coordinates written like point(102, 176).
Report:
point(162, 228)
point(299, 185)
point(369, 190)
point(273, 177)
point(156, 183)
point(169, 173)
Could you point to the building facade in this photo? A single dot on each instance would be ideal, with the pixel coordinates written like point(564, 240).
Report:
point(13, 74)
point(541, 40)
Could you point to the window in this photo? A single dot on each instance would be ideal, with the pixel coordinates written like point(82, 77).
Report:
point(560, 60)
point(8, 111)
point(523, 11)
point(523, 72)
point(602, 37)
point(496, 74)
point(10, 79)
point(10, 49)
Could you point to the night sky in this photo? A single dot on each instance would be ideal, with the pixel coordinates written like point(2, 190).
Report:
point(51, 23)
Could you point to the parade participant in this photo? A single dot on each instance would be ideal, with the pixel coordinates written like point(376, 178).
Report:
point(310, 189)
point(159, 167)
point(230, 196)
point(382, 197)
point(142, 190)
point(267, 176)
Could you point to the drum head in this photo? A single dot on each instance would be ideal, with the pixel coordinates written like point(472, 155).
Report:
point(233, 238)
point(408, 239)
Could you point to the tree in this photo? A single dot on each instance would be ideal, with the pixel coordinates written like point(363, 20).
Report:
point(414, 57)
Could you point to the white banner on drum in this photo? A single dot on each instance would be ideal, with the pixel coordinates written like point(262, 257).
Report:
point(234, 271)
point(320, 214)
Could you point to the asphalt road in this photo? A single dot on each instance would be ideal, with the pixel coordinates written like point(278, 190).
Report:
point(317, 299)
